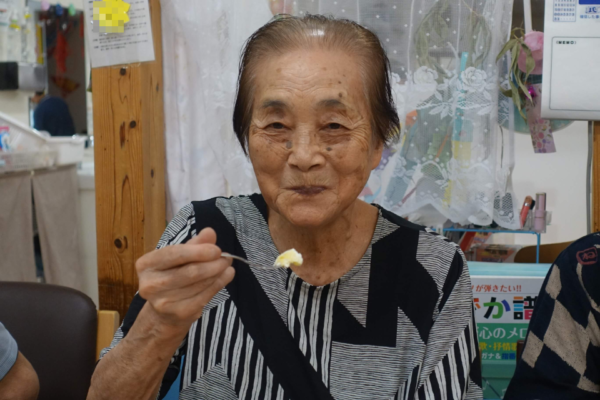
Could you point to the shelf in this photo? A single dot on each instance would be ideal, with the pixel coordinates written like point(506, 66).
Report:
point(490, 230)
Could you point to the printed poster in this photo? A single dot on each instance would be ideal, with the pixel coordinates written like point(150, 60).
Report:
point(503, 308)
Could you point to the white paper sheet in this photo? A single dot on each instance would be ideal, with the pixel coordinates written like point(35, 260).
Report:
point(571, 58)
point(135, 44)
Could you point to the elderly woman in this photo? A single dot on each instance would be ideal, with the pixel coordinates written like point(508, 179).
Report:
point(379, 309)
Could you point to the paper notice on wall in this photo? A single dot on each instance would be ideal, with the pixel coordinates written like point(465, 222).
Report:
point(133, 45)
point(571, 56)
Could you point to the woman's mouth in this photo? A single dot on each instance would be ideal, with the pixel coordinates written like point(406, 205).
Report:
point(308, 190)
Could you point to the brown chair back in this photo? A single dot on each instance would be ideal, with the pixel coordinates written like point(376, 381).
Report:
point(548, 253)
point(55, 328)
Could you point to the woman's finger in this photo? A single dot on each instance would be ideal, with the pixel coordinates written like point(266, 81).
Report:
point(190, 301)
point(206, 235)
point(178, 255)
point(204, 297)
point(159, 281)
point(175, 296)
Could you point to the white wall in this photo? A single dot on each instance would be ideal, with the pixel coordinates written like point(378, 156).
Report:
point(562, 176)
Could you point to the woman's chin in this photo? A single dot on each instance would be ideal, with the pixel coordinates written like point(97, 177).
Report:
point(308, 211)
point(308, 215)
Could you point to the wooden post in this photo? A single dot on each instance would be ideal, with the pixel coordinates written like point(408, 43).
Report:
point(596, 178)
point(129, 169)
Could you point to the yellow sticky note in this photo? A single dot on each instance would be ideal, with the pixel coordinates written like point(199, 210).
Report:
point(110, 16)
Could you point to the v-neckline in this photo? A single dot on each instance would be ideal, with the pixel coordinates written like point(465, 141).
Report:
point(260, 203)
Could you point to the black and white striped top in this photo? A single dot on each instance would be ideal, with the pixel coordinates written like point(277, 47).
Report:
point(399, 325)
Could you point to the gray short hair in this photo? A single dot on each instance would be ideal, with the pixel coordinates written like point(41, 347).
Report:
point(285, 33)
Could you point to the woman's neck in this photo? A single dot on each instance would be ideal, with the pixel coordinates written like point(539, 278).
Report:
point(328, 251)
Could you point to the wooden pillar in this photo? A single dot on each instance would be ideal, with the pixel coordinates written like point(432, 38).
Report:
point(596, 178)
point(129, 168)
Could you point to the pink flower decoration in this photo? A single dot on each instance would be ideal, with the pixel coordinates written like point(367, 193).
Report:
point(535, 41)
point(45, 5)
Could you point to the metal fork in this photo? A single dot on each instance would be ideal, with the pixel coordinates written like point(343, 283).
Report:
point(227, 255)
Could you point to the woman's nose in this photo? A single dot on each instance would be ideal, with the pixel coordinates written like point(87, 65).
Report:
point(305, 152)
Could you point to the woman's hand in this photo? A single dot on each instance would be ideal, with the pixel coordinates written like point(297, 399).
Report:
point(178, 281)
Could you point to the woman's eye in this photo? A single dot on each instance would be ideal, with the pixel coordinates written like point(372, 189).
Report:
point(334, 126)
point(277, 125)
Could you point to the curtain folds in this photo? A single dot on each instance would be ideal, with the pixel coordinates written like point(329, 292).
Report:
point(452, 161)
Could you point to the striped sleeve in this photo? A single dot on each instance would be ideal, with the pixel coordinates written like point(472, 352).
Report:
point(451, 368)
point(181, 229)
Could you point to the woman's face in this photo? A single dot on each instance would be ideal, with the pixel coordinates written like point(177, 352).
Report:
point(310, 139)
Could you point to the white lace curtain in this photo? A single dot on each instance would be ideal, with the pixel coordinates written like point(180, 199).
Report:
point(452, 161)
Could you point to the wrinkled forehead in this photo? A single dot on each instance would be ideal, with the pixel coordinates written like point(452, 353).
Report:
point(315, 76)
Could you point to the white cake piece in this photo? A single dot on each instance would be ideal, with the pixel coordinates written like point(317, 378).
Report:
point(289, 258)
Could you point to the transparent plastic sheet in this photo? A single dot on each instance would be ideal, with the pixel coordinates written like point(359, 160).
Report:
point(452, 161)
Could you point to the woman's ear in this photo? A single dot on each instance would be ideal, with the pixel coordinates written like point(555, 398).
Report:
point(377, 152)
